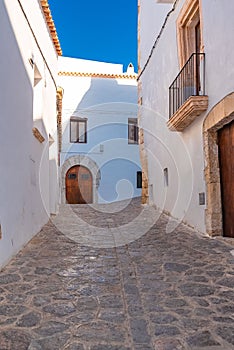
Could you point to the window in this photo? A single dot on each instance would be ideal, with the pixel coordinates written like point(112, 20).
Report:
point(132, 131)
point(37, 75)
point(72, 176)
point(166, 181)
point(139, 179)
point(78, 130)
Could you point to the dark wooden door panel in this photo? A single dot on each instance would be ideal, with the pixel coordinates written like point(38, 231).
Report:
point(85, 185)
point(72, 189)
point(226, 162)
point(79, 188)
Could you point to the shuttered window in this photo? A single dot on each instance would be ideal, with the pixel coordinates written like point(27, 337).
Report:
point(78, 130)
point(132, 131)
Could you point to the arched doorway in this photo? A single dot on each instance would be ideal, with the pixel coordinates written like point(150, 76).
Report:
point(226, 165)
point(218, 145)
point(87, 162)
point(79, 185)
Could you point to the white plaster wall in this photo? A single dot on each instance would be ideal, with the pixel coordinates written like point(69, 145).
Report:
point(219, 48)
point(26, 199)
point(37, 21)
point(150, 21)
point(107, 103)
point(182, 153)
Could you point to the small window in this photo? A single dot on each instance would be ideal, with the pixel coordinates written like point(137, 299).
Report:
point(72, 176)
point(37, 75)
point(78, 130)
point(132, 131)
point(139, 179)
point(202, 198)
point(85, 177)
point(166, 179)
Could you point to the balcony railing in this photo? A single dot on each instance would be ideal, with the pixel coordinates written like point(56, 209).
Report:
point(189, 82)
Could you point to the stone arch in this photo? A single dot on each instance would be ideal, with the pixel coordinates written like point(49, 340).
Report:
point(83, 161)
point(221, 114)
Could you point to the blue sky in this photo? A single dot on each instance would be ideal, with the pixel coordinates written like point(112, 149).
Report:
point(104, 30)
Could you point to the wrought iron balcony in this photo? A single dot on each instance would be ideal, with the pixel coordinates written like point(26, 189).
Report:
point(187, 92)
point(189, 82)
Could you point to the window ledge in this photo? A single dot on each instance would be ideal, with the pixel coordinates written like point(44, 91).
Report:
point(188, 112)
point(38, 135)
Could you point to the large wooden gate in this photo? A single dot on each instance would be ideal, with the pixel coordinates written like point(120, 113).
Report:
point(226, 162)
point(79, 185)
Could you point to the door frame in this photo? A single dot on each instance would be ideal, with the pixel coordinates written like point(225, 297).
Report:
point(80, 160)
point(221, 114)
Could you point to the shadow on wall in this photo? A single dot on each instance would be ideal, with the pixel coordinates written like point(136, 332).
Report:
point(105, 90)
point(118, 180)
point(54, 193)
point(16, 101)
point(100, 97)
point(21, 210)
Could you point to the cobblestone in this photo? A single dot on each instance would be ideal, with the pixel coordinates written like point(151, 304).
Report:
point(92, 280)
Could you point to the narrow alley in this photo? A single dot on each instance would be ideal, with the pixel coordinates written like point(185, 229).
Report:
point(157, 290)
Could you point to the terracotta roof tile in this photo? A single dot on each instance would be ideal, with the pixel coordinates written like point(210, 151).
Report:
point(97, 75)
point(51, 26)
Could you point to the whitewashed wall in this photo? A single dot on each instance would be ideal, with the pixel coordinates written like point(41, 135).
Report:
point(107, 104)
point(181, 153)
point(28, 168)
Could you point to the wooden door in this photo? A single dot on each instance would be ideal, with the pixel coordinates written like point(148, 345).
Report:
point(79, 185)
point(226, 160)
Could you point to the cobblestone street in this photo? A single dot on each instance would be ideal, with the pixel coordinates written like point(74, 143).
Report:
point(93, 280)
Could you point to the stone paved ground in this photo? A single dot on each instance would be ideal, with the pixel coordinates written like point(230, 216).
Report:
point(163, 291)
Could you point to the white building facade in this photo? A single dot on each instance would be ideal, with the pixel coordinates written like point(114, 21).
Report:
point(100, 154)
point(186, 112)
point(28, 124)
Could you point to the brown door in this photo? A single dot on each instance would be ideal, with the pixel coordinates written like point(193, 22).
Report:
point(79, 185)
point(226, 160)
